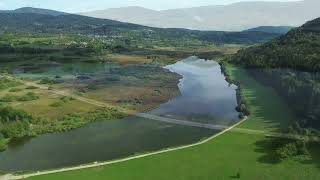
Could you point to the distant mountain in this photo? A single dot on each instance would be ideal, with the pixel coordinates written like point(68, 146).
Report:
point(271, 29)
point(70, 23)
point(36, 11)
point(298, 49)
point(233, 17)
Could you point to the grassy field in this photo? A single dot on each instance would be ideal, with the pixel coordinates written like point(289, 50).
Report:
point(44, 105)
point(232, 155)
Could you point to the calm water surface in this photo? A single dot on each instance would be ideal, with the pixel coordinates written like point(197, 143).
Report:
point(205, 97)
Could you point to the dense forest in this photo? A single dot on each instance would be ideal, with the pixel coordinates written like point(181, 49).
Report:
point(298, 49)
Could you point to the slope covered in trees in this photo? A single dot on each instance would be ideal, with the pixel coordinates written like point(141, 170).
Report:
point(298, 49)
point(33, 21)
point(271, 29)
point(35, 10)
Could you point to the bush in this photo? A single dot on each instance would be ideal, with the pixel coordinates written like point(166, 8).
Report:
point(16, 129)
point(3, 143)
point(6, 83)
point(56, 104)
point(8, 114)
point(15, 90)
point(8, 98)
point(30, 96)
point(243, 109)
point(31, 87)
point(287, 151)
point(302, 148)
point(47, 81)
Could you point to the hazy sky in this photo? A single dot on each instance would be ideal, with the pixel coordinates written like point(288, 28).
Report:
point(87, 5)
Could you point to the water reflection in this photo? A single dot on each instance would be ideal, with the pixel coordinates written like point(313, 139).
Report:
point(205, 95)
point(301, 90)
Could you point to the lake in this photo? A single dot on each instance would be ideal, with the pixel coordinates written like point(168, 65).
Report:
point(205, 97)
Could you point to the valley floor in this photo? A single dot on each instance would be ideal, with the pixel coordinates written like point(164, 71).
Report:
point(232, 155)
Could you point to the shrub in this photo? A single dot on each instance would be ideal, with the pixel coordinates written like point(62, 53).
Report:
point(47, 81)
point(15, 90)
point(287, 151)
point(7, 83)
point(30, 96)
point(8, 114)
point(8, 98)
point(56, 104)
point(31, 87)
point(3, 144)
point(16, 129)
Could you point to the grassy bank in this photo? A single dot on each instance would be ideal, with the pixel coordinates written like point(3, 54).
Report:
point(232, 155)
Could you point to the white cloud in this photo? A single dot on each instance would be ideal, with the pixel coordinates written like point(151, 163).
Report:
point(198, 18)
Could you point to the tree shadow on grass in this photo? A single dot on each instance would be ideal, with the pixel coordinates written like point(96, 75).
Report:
point(268, 150)
point(314, 158)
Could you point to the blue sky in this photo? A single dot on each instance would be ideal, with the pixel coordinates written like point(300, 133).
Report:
point(87, 5)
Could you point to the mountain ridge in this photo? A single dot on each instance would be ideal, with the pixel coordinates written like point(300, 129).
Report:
point(77, 24)
point(35, 10)
point(239, 16)
point(272, 29)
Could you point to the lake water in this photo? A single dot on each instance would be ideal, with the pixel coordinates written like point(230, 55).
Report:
point(205, 97)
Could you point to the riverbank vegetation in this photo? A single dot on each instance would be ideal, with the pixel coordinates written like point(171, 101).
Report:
point(17, 124)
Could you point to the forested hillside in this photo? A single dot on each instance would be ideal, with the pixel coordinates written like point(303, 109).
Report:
point(298, 49)
point(33, 21)
point(35, 10)
point(271, 29)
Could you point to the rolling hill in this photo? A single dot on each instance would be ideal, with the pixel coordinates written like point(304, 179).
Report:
point(39, 22)
point(233, 17)
point(35, 11)
point(271, 29)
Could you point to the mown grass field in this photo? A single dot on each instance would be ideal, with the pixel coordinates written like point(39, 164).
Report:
point(229, 156)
